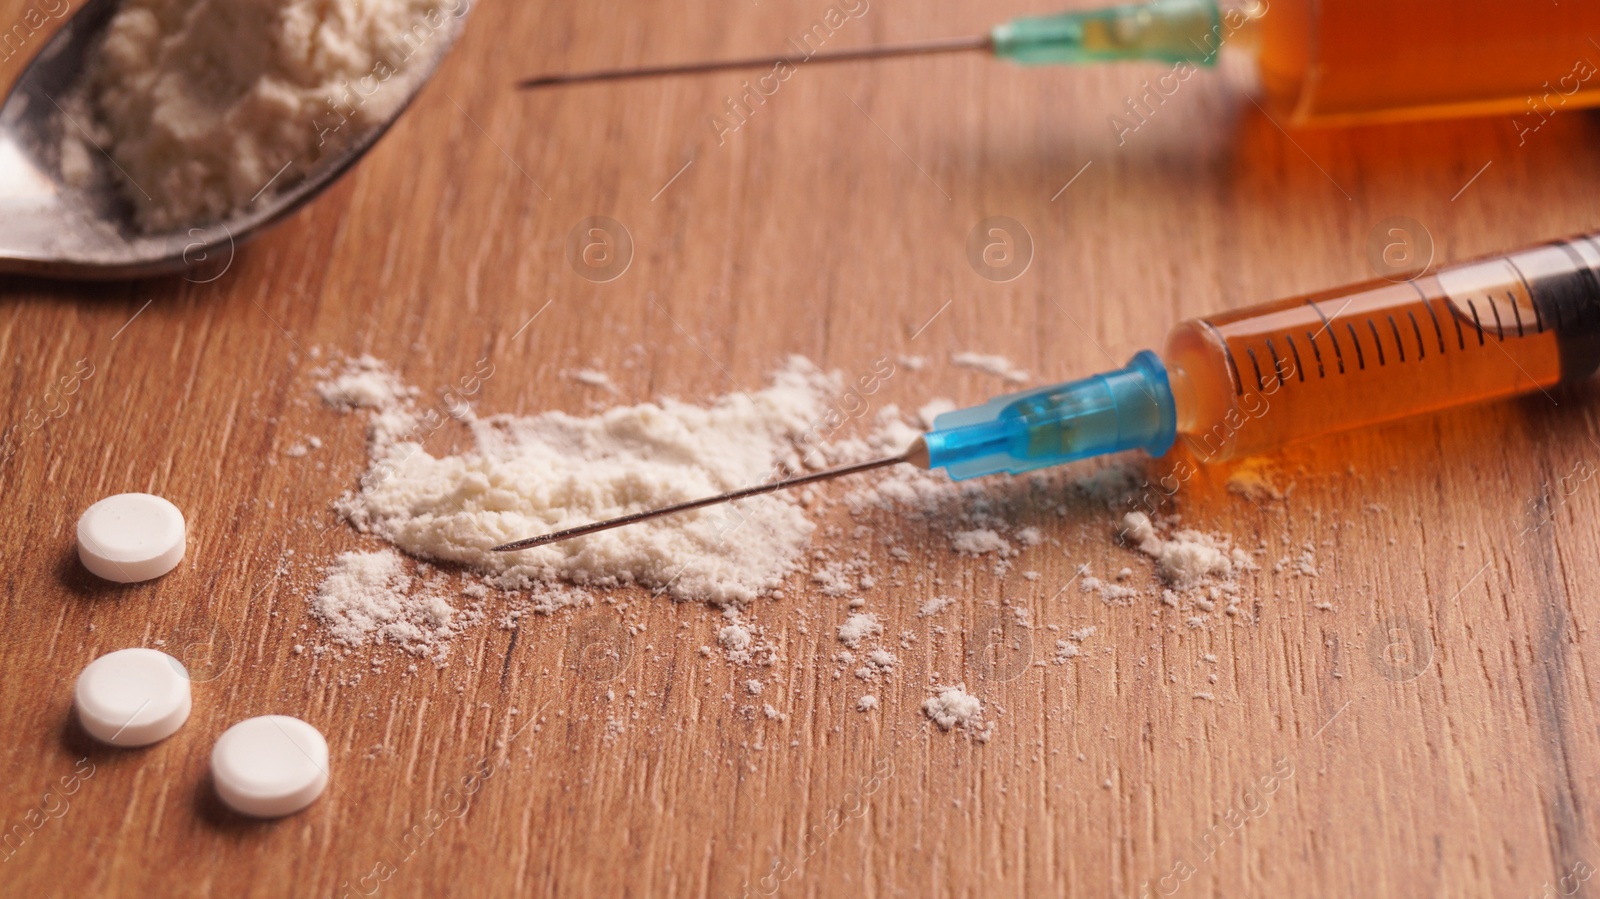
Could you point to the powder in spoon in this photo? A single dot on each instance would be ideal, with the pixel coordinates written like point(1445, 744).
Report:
point(203, 104)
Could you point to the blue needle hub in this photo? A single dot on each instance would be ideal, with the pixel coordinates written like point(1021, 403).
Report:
point(1130, 408)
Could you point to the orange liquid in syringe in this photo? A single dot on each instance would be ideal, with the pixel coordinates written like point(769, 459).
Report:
point(1258, 378)
point(1349, 61)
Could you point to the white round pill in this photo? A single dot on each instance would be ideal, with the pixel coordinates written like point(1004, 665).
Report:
point(270, 766)
point(132, 697)
point(131, 537)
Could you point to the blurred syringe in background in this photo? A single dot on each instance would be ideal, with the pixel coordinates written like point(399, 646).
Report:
point(1316, 61)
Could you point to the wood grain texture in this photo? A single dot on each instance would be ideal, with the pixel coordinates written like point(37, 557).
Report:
point(832, 224)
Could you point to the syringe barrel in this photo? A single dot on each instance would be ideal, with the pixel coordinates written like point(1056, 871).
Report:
point(1254, 379)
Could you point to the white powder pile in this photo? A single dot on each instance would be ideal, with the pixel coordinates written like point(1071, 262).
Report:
point(533, 475)
point(999, 366)
point(952, 707)
point(205, 103)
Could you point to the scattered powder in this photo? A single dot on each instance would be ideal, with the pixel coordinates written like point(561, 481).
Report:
point(203, 104)
point(734, 637)
point(980, 541)
point(934, 606)
point(593, 378)
point(1115, 594)
point(370, 594)
point(1188, 558)
point(866, 703)
point(1065, 652)
point(1303, 564)
point(858, 627)
point(832, 579)
point(952, 707)
point(999, 366)
point(365, 383)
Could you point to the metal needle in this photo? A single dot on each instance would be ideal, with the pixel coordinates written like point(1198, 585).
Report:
point(917, 455)
point(918, 48)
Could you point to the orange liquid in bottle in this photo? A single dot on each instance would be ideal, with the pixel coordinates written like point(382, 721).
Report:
point(1352, 61)
point(1258, 378)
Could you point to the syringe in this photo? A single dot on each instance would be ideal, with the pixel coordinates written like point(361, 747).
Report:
point(1256, 379)
point(1317, 61)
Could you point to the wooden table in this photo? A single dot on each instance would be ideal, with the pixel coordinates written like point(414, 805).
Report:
point(1428, 730)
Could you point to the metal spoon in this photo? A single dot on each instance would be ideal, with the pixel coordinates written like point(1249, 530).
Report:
point(49, 227)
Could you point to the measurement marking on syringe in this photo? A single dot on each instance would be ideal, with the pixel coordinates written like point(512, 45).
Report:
point(1233, 365)
point(1499, 327)
point(1428, 305)
point(1326, 321)
point(1299, 367)
point(1361, 358)
point(1516, 310)
point(1321, 372)
point(1260, 384)
point(1399, 346)
point(1277, 362)
point(1422, 351)
point(1475, 320)
point(1377, 340)
point(1327, 325)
